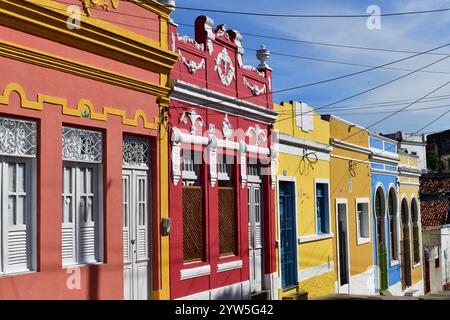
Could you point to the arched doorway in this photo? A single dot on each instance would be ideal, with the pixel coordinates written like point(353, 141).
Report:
point(415, 230)
point(380, 209)
point(406, 247)
point(393, 224)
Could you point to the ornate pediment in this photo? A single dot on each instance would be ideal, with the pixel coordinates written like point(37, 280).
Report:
point(88, 5)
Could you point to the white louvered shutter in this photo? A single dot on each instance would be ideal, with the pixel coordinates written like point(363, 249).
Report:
point(16, 197)
point(142, 223)
point(87, 208)
point(258, 240)
point(68, 218)
point(126, 203)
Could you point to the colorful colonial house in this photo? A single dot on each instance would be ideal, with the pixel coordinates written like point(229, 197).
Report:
point(410, 219)
point(351, 207)
point(222, 168)
point(305, 256)
point(80, 97)
point(386, 220)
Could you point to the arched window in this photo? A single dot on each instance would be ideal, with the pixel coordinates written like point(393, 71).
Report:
point(393, 236)
point(380, 208)
point(415, 223)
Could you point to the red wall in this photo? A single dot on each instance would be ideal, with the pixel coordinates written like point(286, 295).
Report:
point(103, 281)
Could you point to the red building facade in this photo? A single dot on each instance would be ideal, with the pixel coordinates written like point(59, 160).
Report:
point(80, 100)
point(222, 168)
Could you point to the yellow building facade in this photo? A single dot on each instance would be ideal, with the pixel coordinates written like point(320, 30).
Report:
point(411, 237)
point(305, 254)
point(351, 207)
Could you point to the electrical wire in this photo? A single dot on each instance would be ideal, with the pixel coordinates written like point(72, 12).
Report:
point(282, 15)
point(365, 91)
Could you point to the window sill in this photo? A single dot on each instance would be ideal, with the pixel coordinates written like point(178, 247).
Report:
point(76, 265)
point(362, 241)
point(228, 266)
point(315, 237)
point(195, 272)
point(17, 273)
point(395, 263)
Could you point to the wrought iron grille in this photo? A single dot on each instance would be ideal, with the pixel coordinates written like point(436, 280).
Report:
point(227, 221)
point(82, 145)
point(136, 152)
point(193, 224)
point(17, 137)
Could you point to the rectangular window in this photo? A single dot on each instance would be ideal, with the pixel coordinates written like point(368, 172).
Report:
point(227, 207)
point(82, 200)
point(322, 208)
point(193, 209)
point(362, 215)
point(17, 203)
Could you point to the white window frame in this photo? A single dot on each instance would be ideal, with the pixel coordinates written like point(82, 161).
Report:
point(359, 239)
point(98, 214)
point(327, 182)
point(31, 213)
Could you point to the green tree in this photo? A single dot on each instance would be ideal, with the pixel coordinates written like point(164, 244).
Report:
point(433, 162)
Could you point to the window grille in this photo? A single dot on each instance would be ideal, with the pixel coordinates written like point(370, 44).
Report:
point(17, 137)
point(136, 152)
point(82, 145)
point(227, 207)
point(193, 210)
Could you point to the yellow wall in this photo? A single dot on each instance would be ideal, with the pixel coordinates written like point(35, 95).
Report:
point(320, 252)
point(361, 256)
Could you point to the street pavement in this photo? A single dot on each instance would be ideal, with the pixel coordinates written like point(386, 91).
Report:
point(444, 295)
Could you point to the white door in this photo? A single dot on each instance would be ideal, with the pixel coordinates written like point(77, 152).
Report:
point(136, 246)
point(255, 236)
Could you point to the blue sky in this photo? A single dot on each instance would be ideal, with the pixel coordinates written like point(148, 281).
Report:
point(412, 33)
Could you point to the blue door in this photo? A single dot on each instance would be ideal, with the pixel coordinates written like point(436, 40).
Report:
point(288, 241)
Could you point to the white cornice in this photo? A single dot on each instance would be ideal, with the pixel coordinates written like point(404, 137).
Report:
point(389, 159)
point(195, 95)
point(298, 142)
point(349, 146)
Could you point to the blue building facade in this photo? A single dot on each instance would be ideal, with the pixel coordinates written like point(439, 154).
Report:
point(385, 217)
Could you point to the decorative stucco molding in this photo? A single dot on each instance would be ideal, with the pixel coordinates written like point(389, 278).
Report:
point(224, 67)
point(227, 128)
point(88, 5)
point(256, 91)
point(259, 134)
point(193, 117)
point(192, 66)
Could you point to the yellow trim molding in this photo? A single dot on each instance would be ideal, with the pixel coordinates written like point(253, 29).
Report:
point(48, 19)
point(42, 59)
point(82, 106)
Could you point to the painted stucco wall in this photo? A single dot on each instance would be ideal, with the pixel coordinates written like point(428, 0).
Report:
point(352, 184)
point(315, 257)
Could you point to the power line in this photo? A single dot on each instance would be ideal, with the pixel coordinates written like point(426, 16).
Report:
point(266, 36)
point(378, 112)
point(282, 15)
point(336, 78)
point(376, 106)
point(344, 63)
point(368, 90)
point(400, 110)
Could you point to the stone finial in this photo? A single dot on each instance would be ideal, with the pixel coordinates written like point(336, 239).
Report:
point(263, 55)
point(168, 3)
